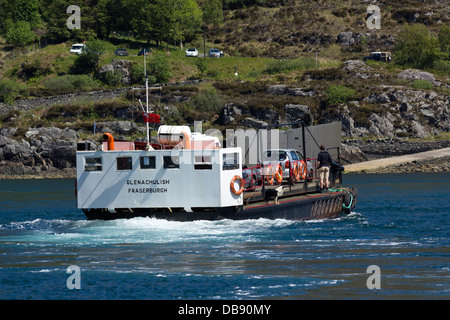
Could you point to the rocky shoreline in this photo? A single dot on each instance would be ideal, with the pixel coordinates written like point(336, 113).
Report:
point(50, 153)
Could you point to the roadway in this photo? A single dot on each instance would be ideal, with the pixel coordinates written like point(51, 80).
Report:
point(391, 161)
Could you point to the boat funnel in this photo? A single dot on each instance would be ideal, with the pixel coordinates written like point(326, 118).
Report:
point(107, 137)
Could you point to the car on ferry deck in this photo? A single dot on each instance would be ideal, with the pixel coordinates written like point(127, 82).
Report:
point(286, 157)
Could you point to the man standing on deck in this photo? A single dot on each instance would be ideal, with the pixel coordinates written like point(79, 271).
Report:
point(324, 160)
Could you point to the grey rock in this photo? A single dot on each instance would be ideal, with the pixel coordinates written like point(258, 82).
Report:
point(298, 92)
point(298, 112)
point(278, 89)
point(346, 38)
point(414, 74)
point(122, 67)
point(252, 123)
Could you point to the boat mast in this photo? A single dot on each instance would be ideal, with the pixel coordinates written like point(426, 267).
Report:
point(146, 100)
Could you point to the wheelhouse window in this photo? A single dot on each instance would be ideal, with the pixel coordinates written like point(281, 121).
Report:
point(230, 161)
point(93, 164)
point(124, 163)
point(202, 163)
point(148, 162)
point(171, 162)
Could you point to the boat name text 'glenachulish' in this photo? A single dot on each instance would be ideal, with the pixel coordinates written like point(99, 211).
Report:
point(137, 182)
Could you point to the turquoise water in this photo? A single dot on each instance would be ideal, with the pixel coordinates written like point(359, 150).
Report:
point(401, 224)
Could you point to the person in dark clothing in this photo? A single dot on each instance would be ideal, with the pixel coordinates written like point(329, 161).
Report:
point(324, 160)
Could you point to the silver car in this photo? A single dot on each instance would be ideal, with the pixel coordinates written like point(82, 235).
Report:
point(286, 158)
point(215, 53)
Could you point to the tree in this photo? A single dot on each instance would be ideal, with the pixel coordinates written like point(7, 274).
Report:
point(166, 20)
point(416, 47)
point(186, 20)
point(19, 33)
point(119, 16)
point(146, 21)
point(95, 19)
point(18, 18)
point(26, 10)
point(54, 13)
point(19, 10)
point(212, 12)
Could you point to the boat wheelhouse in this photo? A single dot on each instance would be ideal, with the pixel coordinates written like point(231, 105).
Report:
point(180, 174)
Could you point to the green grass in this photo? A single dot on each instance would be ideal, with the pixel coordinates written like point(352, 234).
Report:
point(60, 60)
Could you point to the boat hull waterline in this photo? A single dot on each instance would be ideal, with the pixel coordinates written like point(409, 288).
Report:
point(302, 207)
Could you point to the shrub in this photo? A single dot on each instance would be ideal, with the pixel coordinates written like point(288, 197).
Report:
point(10, 90)
point(339, 94)
point(159, 69)
point(442, 65)
point(33, 69)
point(330, 74)
point(444, 40)
point(113, 78)
point(287, 65)
point(66, 111)
point(416, 47)
point(201, 65)
point(208, 100)
point(87, 62)
point(70, 83)
point(423, 84)
point(137, 74)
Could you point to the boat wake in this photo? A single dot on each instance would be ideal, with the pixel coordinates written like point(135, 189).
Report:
point(144, 230)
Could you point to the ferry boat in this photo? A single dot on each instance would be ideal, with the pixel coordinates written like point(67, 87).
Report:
point(188, 176)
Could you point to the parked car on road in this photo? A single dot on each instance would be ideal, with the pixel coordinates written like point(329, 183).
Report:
point(288, 159)
point(121, 52)
point(77, 48)
point(191, 52)
point(145, 51)
point(215, 53)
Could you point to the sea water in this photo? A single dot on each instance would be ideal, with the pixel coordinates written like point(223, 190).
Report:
point(400, 225)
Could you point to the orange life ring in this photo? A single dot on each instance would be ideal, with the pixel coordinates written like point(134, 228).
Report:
point(279, 174)
point(302, 170)
point(270, 175)
point(241, 189)
point(294, 173)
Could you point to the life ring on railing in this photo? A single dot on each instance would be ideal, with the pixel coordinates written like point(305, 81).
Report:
point(295, 176)
point(302, 170)
point(270, 175)
point(233, 189)
point(279, 174)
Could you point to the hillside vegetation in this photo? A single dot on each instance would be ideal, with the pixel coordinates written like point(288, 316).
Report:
point(291, 59)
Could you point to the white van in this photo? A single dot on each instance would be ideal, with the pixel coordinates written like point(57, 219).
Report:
point(77, 48)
